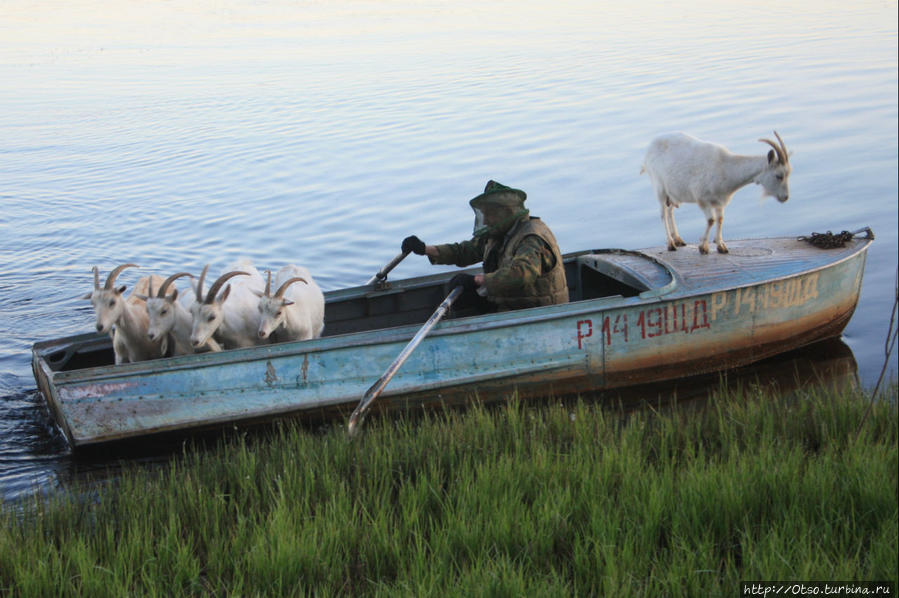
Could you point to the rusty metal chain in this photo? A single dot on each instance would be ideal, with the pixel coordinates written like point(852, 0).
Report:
point(828, 240)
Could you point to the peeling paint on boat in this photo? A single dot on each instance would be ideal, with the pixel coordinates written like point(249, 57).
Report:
point(688, 314)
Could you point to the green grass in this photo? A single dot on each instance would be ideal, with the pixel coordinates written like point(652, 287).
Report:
point(557, 500)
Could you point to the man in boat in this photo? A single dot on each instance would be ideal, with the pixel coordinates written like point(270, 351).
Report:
point(522, 262)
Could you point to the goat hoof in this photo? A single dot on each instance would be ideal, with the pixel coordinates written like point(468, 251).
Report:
point(722, 249)
point(704, 249)
point(680, 242)
point(672, 247)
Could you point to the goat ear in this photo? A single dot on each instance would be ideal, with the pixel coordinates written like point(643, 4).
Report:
point(772, 157)
point(121, 289)
point(257, 293)
point(173, 296)
point(224, 294)
point(87, 296)
point(141, 297)
point(288, 302)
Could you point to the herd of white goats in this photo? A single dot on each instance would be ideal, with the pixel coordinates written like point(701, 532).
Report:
point(154, 322)
point(682, 169)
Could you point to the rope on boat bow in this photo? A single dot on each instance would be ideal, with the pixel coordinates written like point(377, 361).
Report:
point(830, 240)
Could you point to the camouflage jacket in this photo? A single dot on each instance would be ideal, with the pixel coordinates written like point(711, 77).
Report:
point(524, 269)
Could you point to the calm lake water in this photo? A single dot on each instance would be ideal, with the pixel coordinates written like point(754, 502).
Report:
point(321, 133)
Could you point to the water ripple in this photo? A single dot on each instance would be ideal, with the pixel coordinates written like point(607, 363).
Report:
point(262, 130)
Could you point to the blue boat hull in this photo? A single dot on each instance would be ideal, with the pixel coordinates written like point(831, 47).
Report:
point(688, 314)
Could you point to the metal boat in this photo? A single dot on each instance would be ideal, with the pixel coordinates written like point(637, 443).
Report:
point(634, 317)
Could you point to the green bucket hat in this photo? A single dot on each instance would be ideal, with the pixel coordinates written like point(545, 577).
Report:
point(498, 194)
point(505, 203)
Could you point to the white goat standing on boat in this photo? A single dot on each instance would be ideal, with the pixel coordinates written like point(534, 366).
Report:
point(233, 317)
point(170, 322)
point(295, 312)
point(124, 319)
point(683, 169)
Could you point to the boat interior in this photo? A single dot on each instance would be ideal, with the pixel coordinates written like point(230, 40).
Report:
point(590, 275)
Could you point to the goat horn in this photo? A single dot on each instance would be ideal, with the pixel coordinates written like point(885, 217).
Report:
point(268, 284)
point(280, 292)
point(214, 289)
point(110, 280)
point(783, 146)
point(165, 284)
point(777, 150)
point(199, 290)
point(96, 277)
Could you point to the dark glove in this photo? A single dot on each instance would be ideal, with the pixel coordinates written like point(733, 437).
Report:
point(466, 281)
point(413, 244)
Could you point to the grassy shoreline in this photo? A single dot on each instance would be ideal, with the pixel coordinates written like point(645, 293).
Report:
point(547, 501)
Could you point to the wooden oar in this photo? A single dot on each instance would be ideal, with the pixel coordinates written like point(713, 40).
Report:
point(372, 393)
point(382, 273)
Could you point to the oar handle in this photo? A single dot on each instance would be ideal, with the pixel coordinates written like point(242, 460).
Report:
point(375, 390)
point(382, 273)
